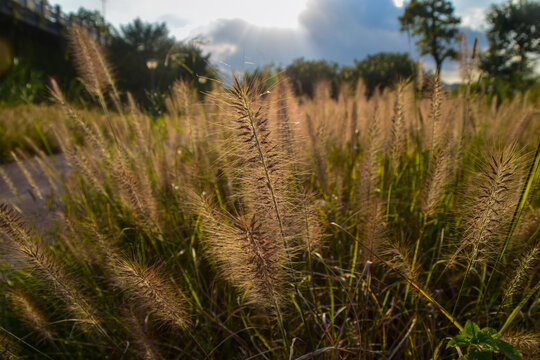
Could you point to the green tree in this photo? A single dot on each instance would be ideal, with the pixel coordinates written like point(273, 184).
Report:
point(138, 42)
point(93, 19)
point(514, 42)
point(383, 70)
point(435, 25)
point(304, 75)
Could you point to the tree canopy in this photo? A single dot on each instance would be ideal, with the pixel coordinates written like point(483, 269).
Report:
point(514, 41)
point(435, 25)
point(94, 19)
point(304, 75)
point(138, 42)
point(384, 69)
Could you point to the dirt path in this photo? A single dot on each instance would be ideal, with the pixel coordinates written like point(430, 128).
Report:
point(39, 211)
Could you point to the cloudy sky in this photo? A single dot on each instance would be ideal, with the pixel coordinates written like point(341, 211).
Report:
point(245, 34)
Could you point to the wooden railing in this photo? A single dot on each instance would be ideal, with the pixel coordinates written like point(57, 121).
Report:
point(50, 18)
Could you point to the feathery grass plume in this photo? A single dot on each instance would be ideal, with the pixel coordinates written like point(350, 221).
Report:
point(312, 231)
point(317, 153)
point(141, 128)
point(25, 247)
point(79, 160)
point(437, 178)
point(73, 238)
point(9, 183)
point(31, 314)
point(401, 259)
point(364, 108)
point(264, 166)
point(135, 191)
point(283, 95)
point(522, 272)
point(435, 113)
point(184, 99)
point(353, 126)
point(28, 176)
point(465, 59)
point(264, 261)
point(93, 75)
point(246, 255)
point(368, 170)
point(373, 228)
point(104, 69)
point(420, 75)
point(526, 230)
point(88, 167)
point(91, 133)
point(145, 345)
point(147, 286)
point(520, 127)
point(493, 197)
point(398, 126)
point(44, 164)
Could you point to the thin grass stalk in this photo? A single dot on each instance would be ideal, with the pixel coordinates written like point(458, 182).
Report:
point(448, 315)
point(517, 309)
point(22, 341)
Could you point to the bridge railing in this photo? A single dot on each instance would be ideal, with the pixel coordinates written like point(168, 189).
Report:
point(54, 14)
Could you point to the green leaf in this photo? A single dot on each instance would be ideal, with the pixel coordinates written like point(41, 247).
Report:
point(491, 331)
point(471, 329)
point(480, 355)
point(486, 339)
point(509, 350)
point(459, 340)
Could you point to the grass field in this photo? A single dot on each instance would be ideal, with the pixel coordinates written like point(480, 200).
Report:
point(257, 225)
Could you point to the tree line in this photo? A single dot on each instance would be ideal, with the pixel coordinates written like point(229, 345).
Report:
point(507, 65)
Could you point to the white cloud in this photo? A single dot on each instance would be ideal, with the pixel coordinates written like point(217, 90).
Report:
point(276, 13)
point(251, 33)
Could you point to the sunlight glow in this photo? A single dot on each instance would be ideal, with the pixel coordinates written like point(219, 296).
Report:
point(398, 3)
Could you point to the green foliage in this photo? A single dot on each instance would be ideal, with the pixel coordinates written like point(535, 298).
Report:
point(483, 343)
point(383, 70)
point(94, 19)
point(305, 74)
point(434, 23)
point(137, 43)
point(266, 77)
point(514, 44)
point(130, 200)
point(21, 84)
